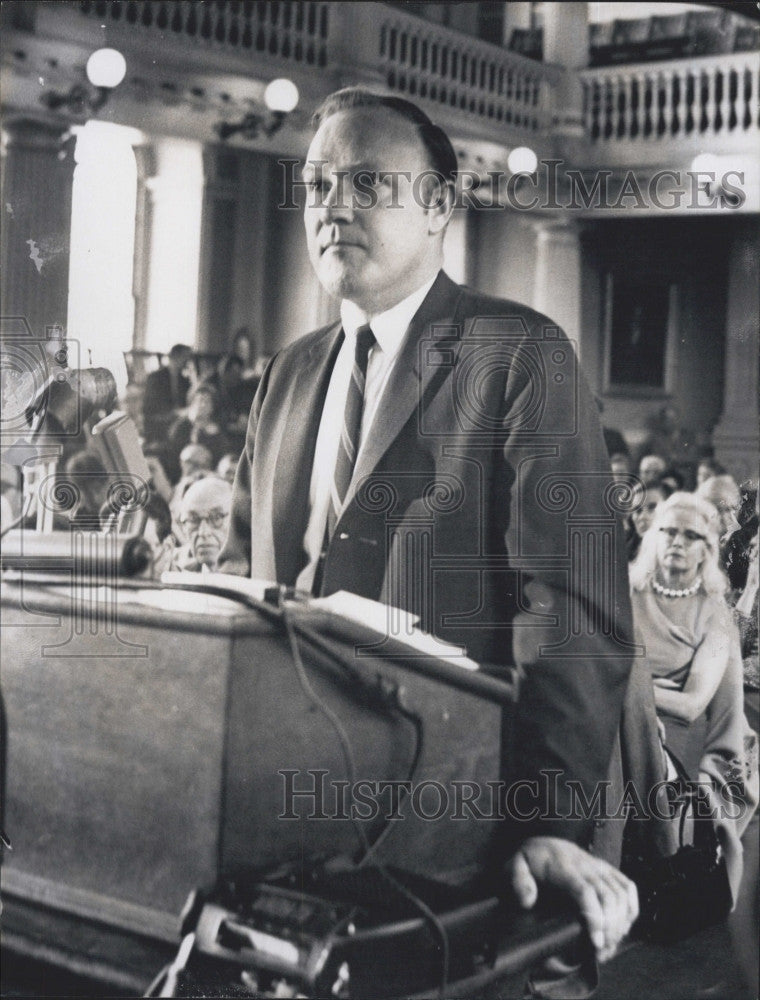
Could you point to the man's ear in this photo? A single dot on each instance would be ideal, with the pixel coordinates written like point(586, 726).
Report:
point(438, 197)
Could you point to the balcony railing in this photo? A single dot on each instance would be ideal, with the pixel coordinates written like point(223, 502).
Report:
point(292, 30)
point(424, 60)
point(411, 56)
point(712, 97)
point(476, 90)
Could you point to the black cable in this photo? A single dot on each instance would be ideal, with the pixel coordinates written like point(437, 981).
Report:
point(345, 743)
point(324, 708)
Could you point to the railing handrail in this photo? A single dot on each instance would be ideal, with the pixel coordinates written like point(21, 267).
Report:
point(692, 64)
point(550, 71)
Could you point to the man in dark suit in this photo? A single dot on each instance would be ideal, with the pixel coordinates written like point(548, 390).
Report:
point(166, 392)
point(438, 450)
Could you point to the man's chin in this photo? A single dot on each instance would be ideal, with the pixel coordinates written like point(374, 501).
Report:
point(207, 557)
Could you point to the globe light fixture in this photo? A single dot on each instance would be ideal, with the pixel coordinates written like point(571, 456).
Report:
point(522, 160)
point(280, 97)
point(106, 68)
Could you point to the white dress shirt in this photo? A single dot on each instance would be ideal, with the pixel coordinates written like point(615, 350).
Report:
point(389, 328)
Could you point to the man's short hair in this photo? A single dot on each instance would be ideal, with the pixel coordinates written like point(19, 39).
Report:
point(443, 159)
point(179, 351)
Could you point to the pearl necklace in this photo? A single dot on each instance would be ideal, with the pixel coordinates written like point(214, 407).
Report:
point(672, 592)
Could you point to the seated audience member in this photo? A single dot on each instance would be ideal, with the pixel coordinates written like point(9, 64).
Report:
point(243, 347)
point(152, 551)
point(235, 396)
point(200, 426)
point(166, 392)
point(195, 463)
point(87, 478)
point(667, 438)
point(692, 651)
point(620, 464)
point(707, 468)
point(671, 481)
point(131, 402)
point(227, 467)
point(738, 547)
point(194, 459)
point(204, 518)
point(651, 467)
point(645, 502)
point(723, 493)
point(159, 481)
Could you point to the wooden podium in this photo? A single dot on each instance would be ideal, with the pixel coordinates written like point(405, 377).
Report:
point(148, 732)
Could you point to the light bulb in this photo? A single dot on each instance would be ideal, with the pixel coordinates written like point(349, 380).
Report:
point(281, 95)
point(106, 68)
point(522, 160)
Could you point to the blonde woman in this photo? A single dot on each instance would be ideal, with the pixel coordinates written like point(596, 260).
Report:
point(691, 648)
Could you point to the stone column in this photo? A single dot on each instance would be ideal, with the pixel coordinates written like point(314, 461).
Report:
point(736, 438)
point(175, 192)
point(146, 168)
point(38, 173)
point(557, 285)
point(566, 44)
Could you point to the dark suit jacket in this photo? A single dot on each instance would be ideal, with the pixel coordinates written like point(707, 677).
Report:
point(483, 502)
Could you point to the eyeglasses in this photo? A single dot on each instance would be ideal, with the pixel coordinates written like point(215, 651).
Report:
point(214, 519)
point(689, 536)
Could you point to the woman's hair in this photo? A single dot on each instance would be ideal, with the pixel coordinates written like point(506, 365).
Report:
point(643, 568)
point(721, 491)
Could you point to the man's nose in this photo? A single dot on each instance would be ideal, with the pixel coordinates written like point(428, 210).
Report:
point(335, 202)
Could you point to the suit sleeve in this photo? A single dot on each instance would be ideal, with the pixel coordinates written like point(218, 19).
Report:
point(235, 557)
point(572, 633)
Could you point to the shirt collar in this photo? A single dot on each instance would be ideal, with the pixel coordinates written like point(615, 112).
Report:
point(390, 326)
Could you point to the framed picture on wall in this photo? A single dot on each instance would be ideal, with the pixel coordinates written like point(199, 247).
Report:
point(640, 333)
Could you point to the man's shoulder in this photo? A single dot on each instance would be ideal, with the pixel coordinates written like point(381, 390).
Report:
point(305, 344)
point(474, 304)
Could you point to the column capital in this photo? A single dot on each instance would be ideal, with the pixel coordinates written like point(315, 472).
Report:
point(37, 134)
point(557, 229)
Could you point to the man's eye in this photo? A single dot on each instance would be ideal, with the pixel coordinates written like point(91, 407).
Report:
point(367, 178)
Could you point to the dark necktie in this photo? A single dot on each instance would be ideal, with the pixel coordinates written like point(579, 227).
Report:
point(352, 421)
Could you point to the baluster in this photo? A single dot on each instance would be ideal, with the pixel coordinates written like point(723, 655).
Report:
point(707, 98)
point(640, 115)
point(692, 83)
point(749, 98)
point(722, 105)
point(610, 108)
point(679, 113)
point(627, 117)
point(730, 94)
point(650, 106)
point(666, 119)
point(588, 119)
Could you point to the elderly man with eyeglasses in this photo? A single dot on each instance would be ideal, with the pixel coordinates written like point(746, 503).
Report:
point(204, 518)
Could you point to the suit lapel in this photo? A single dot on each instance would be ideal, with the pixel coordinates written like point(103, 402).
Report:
point(432, 326)
point(295, 459)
